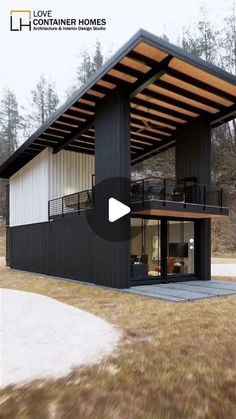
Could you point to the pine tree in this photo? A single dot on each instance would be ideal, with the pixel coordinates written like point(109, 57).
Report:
point(85, 70)
point(90, 64)
point(228, 45)
point(97, 60)
point(205, 42)
point(44, 102)
point(10, 123)
point(229, 42)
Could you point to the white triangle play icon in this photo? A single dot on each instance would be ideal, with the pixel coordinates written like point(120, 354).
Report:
point(116, 210)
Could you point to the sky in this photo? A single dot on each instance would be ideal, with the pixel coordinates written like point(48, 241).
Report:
point(26, 55)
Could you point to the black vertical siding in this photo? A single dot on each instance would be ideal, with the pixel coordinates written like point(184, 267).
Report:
point(8, 243)
point(193, 151)
point(203, 248)
point(112, 145)
point(193, 158)
point(72, 248)
point(112, 161)
point(29, 247)
point(63, 247)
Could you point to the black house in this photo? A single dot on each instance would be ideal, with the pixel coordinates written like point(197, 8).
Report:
point(148, 97)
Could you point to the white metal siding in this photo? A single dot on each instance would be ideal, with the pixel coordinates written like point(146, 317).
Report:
point(47, 176)
point(29, 192)
point(70, 172)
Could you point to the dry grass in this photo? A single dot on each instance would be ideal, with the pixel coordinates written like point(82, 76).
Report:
point(223, 259)
point(224, 278)
point(175, 360)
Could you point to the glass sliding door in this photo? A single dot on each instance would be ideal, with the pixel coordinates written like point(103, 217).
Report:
point(153, 247)
point(161, 249)
point(145, 248)
point(180, 248)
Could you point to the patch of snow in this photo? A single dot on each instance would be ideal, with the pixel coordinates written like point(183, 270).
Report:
point(223, 269)
point(42, 337)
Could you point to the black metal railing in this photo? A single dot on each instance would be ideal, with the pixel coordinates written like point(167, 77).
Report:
point(188, 192)
point(76, 202)
point(151, 188)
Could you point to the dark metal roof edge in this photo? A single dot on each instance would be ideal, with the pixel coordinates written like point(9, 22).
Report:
point(141, 35)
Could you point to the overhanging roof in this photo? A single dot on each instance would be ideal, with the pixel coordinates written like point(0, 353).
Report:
point(168, 88)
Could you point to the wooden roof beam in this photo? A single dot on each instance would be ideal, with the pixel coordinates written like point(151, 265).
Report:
point(150, 126)
point(162, 109)
point(154, 118)
point(76, 133)
point(199, 83)
point(136, 135)
point(174, 102)
point(186, 78)
point(143, 59)
point(186, 93)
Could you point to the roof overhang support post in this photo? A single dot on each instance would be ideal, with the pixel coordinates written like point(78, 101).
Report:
point(193, 159)
point(112, 177)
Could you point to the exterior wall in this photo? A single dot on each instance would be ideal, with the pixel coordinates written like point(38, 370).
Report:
point(30, 247)
point(193, 151)
point(193, 158)
point(67, 246)
point(29, 191)
point(70, 172)
point(112, 155)
point(46, 177)
point(64, 247)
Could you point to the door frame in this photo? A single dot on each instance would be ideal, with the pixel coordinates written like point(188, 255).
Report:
point(164, 277)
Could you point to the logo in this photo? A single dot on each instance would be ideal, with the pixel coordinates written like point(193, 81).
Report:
point(44, 20)
point(20, 20)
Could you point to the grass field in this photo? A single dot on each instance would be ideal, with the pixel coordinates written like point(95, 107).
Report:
point(174, 360)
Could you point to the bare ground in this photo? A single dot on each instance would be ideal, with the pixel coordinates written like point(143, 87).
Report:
point(175, 360)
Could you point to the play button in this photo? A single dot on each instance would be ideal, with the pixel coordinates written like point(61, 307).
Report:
point(109, 219)
point(116, 210)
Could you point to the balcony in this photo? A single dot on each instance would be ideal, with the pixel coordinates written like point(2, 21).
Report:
point(71, 204)
point(154, 196)
point(170, 197)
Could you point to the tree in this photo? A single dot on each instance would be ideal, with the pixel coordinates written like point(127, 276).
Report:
point(10, 123)
point(204, 43)
point(90, 64)
point(229, 42)
point(44, 102)
point(85, 70)
point(98, 59)
point(165, 37)
point(161, 165)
